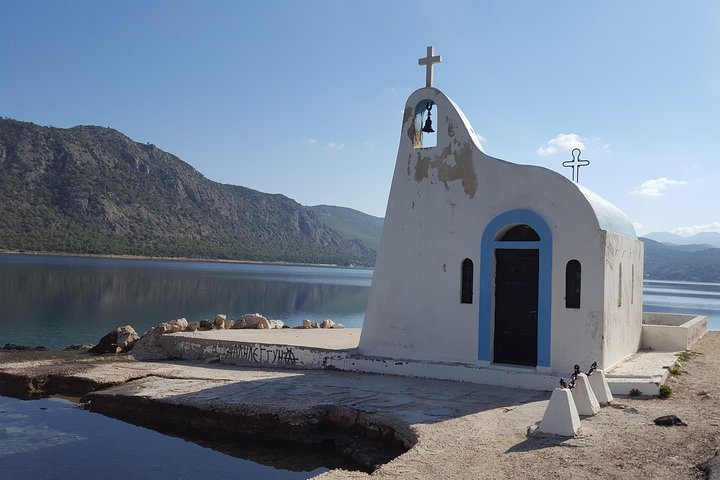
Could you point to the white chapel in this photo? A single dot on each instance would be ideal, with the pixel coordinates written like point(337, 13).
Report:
point(494, 265)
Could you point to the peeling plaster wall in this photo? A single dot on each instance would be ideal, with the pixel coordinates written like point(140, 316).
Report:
point(440, 202)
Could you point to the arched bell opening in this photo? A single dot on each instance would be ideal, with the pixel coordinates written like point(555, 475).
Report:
point(426, 115)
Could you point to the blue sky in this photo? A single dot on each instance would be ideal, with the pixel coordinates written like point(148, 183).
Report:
point(305, 97)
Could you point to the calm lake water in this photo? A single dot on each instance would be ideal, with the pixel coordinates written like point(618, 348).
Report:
point(59, 301)
point(53, 439)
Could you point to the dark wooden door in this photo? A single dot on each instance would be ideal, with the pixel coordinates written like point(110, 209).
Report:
point(516, 306)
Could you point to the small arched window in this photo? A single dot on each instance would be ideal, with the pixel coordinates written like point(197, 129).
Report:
point(572, 284)
point(466, 282)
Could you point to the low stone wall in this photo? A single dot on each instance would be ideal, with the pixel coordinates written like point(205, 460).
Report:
point(671, 332)
point(250, 354)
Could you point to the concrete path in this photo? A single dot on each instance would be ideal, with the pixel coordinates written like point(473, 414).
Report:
point(410, 400)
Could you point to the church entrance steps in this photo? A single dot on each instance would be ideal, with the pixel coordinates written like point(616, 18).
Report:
point(644, 371)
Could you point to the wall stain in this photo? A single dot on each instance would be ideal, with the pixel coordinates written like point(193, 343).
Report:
point(422, 165)
point(462, 169)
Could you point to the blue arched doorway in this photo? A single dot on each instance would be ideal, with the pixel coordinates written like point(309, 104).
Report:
point(515, 290)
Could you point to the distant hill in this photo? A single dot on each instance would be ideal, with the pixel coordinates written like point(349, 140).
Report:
point(93, 190)
point(352, 224)
point(673, 262)
point(711, 239)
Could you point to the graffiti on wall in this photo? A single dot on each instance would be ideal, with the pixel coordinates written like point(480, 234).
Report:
point(262, 354)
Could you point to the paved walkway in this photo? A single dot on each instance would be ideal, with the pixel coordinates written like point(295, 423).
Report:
point(411, 400)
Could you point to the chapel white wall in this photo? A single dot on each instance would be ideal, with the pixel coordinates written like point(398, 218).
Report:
point(623, 307)
point(435, 219)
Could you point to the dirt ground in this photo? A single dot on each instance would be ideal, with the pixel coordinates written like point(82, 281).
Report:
point(620, 442)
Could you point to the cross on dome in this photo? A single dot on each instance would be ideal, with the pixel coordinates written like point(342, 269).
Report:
point(575, 164)
point(429, 61)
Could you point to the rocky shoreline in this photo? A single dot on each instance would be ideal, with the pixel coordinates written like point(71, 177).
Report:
point(124, 339)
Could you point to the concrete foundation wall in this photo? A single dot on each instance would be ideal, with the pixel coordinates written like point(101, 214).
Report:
point(670, 332)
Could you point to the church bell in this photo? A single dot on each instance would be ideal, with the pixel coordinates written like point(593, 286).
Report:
point(428, 123)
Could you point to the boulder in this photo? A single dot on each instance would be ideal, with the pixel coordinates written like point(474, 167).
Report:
point(219, 322)
point(309, 324)
point(126, 340)
point(252, 320)
point(327, 323)
point(192, 326)
point(229, 324)
point(338, 325)
point(173, 326)
point(122, 339)
point(276, 323)
point(205, 325)
point(162, 329)
point(182, 323)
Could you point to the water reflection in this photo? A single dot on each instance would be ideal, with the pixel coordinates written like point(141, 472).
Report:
point(55, 439)
point(56, 301)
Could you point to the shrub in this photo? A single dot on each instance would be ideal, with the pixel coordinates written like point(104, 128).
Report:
point(665, 392)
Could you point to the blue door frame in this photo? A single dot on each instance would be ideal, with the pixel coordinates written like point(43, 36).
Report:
point(487, 279)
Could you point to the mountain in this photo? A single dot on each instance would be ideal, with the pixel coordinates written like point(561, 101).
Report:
point(673, 262)
point(665, 237)
point(93, 190)
point(352, 224)
point(712, 239)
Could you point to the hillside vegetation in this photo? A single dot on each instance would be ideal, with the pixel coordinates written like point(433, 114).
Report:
point(93, 190)
point(681, 262)
point(352, 224)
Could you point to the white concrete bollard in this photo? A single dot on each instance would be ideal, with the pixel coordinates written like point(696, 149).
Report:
point(585, 400)
point(561, 416)
point(600, 387)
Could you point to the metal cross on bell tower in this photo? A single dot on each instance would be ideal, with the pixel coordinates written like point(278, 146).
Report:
point(429, 61)
point(575, 164)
